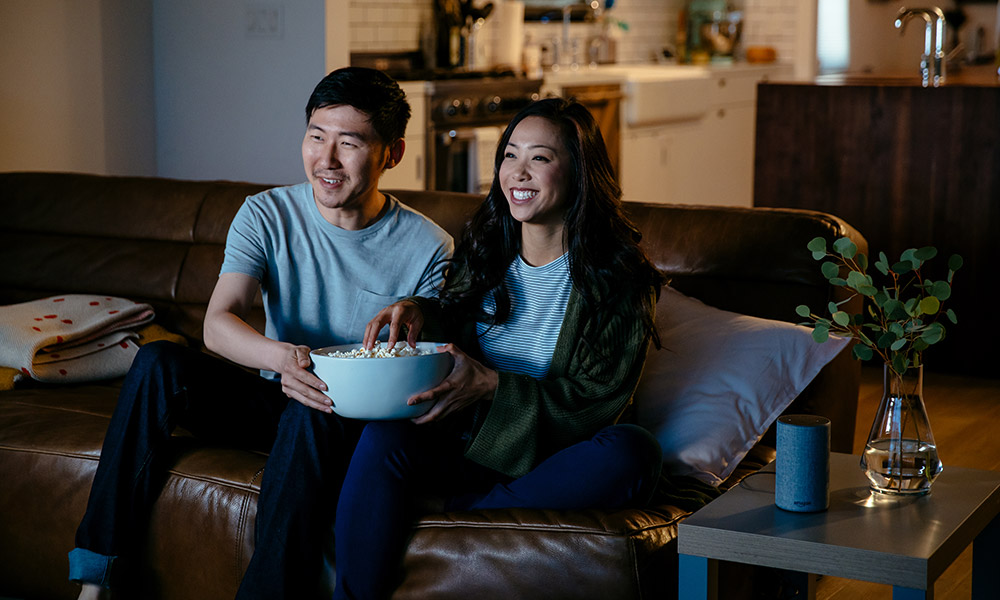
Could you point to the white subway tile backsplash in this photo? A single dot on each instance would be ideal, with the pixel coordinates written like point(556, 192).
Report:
point(400, 25)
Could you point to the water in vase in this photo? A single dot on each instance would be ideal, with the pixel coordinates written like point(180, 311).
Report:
point(908, 469)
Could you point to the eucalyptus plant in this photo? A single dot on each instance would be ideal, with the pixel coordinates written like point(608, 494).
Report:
point(900, 318)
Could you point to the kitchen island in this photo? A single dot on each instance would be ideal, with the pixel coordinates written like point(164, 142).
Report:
point(908, 166)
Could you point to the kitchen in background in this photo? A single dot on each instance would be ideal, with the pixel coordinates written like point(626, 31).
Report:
point(678, 123)
point(405, 25)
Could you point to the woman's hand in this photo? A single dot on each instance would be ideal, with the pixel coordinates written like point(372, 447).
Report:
point(299, 383)
point(404, 313)
point(468, 383)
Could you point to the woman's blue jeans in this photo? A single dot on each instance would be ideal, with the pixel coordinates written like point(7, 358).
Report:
point(170, 386)
point(396, 462)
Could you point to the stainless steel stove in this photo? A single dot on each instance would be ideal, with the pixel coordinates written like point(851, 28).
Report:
point(466, 118)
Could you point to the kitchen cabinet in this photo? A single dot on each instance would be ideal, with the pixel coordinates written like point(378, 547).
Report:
point(604, 103)
point(411, 172)
point(657, 163)
point(703, 156)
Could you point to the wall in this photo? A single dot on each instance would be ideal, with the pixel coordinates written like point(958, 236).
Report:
point(230, 101)
point(80, 90)
point(77, 87)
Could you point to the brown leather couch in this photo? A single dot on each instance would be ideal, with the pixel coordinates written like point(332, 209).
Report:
point(161, 241)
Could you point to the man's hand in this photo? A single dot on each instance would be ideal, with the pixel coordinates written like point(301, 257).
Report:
point(469, 382)
point(404, 313)
point(299, 383)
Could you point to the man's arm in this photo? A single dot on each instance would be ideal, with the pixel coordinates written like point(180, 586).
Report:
point(227, 333)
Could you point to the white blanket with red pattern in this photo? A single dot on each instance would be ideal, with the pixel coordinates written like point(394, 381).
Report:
point(71, 338)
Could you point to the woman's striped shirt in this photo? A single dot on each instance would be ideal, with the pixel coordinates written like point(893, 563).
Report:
point(524, 343)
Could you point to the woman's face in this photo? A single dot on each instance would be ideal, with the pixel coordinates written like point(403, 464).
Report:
point(535, 172)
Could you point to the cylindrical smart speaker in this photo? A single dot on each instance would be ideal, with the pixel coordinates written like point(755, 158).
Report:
point(802, 468)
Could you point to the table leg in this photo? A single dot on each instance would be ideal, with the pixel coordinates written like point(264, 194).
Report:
point(698, 578)
point(904, 593)
point(985, 557)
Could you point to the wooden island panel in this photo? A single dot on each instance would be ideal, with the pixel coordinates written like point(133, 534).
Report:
point(908, 166)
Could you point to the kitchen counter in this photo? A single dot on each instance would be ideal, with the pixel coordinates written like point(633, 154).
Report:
point(619, 73)
point(976, 76)
point(909, 167)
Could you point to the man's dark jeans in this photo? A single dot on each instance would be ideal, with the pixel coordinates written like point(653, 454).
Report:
point(173, 386)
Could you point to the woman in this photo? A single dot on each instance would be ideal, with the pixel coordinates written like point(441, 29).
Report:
point(551, 302)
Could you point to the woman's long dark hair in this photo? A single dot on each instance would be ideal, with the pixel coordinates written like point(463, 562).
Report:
point(607, 265)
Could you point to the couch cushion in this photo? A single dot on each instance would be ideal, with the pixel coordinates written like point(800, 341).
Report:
point(720, 381)
point(201, 525)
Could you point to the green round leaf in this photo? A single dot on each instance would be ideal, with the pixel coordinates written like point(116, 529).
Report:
point(926, 253)
point(902, 267)
point(930, 305)
point(841, 318)
point(820, 334)
point(838, 281)
point(941, 290)
point(955, 262)
point(910, 255)
point(886, 340)
point(951, 316)
point(933, 334)
point(845, 247)
point(817, 244)
point(856, 279)
point(895, 346)
point(862, 352)
point(867, 290)
point(802, 310)
point(830, 269)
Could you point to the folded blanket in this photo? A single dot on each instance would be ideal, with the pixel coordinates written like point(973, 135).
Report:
point(71, 338)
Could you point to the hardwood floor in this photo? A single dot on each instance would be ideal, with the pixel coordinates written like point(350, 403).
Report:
point(965, 417)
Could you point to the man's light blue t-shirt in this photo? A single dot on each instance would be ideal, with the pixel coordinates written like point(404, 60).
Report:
point(322, 284)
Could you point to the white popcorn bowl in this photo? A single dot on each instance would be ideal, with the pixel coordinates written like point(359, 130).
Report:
point(377, 388)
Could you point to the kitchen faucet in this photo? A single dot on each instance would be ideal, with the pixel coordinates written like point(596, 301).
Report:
point(932, 63)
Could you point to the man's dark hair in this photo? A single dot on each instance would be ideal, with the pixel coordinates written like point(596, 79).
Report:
point(368, 90)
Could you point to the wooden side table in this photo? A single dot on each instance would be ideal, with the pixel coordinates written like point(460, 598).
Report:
point(906, 542)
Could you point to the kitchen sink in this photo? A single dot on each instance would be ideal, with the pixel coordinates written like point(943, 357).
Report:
point(653, 93)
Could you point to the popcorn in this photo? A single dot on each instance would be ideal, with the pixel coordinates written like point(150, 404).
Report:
point(380, 351)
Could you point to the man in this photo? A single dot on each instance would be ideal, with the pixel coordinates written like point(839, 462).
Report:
point(327, 255)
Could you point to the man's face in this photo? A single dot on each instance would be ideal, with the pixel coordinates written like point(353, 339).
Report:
point(343, 159)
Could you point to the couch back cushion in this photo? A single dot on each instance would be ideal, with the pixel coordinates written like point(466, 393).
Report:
point(162, 241)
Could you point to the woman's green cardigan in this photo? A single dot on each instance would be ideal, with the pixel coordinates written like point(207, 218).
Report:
point(592, 377)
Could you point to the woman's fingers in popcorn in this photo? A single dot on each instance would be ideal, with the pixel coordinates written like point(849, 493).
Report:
point(404, 313)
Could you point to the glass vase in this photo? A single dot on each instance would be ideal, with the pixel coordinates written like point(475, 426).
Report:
point(900, 455)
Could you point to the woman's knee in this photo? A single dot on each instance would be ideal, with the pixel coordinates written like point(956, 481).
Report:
point(633, 443)
point(637, 457)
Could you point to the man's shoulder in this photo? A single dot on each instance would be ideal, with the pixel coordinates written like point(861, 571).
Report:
point(281, 194)
point(412, 218)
